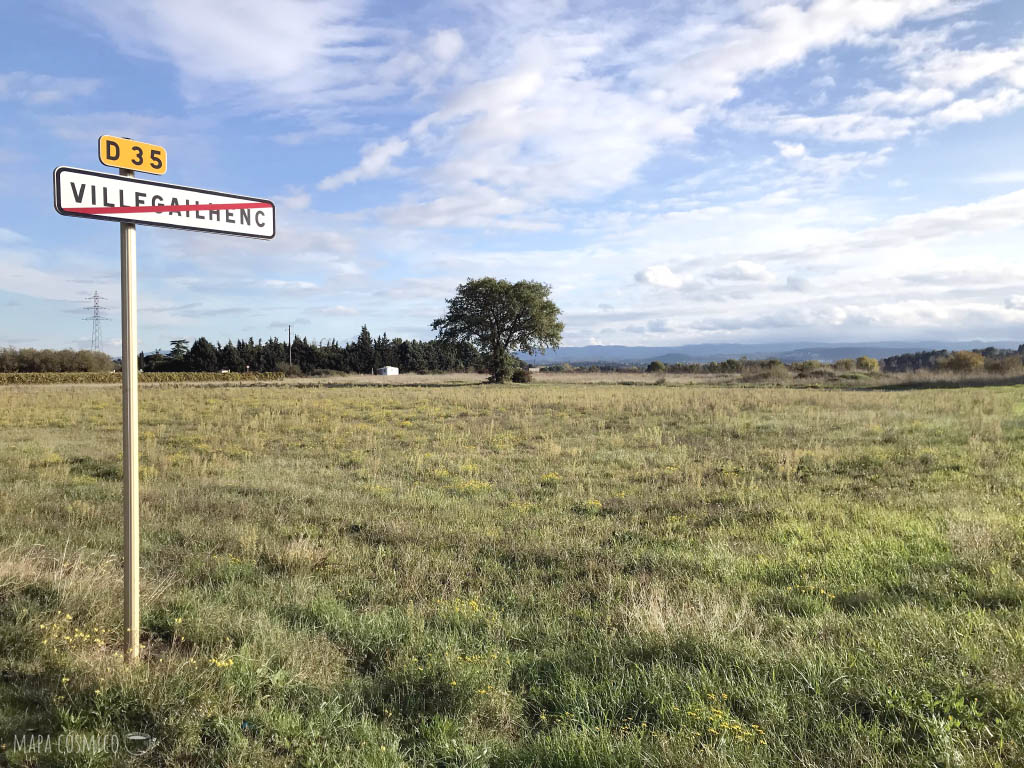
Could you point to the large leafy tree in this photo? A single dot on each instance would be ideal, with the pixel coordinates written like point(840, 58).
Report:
point(499, 318)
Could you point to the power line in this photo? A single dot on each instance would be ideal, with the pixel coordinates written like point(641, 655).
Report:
point(98, 318)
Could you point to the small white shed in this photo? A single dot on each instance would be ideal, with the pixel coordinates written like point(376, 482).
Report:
point(387, 370)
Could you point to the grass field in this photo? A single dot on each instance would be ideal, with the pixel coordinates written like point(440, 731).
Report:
point(547, 575)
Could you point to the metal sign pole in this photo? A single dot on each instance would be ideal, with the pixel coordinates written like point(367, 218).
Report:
point(130, 444)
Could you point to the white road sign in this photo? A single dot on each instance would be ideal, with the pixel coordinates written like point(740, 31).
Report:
point(138, 201)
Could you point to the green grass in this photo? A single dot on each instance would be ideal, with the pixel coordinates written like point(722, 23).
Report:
point(548, 575)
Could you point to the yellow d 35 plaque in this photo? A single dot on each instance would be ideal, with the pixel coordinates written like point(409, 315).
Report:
point(133, 155)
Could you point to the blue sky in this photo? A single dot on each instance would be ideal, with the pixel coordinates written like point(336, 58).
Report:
point(752, 170)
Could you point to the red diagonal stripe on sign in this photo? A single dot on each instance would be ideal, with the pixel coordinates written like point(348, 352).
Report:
point(169, 208)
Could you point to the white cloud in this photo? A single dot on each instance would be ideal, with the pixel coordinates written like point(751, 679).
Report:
point(86, 127)
point(933, 94)
point(542, 106)
point(841, 164)
point(959, 69)
point(572, 112)
point(789, 317)
point(791, 150)
point(323, 127)
point(376, 161)
point(972, 110)
point(289, 285)
point(289, 52)
point(799, 284)
point(445, 45)
point(297, 199)
point(52, 275)
point(8, 236)
point(1015, 176)
point(36, 89)
point(743, 270)
point(662, 276)
point(909, 100)
point(870, 279)
point(992, 214)
point(838, 127)
point(547, 131)
point(466, 206)
point(707, 62)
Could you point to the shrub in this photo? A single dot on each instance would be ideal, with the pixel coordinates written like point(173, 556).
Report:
point(728, 366)
point(807, 366)
point(776, 372)
point(846, 364)
point(30, 360)
point(865, 363)
point(1004, 365)
point(522, 376)
point(656, 366)
point(963, 361)
point(289, 369)
point(817, 373)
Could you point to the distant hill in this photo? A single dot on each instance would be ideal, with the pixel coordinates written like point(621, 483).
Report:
point(787, 352)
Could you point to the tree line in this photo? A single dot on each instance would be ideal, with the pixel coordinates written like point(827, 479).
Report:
point(486, 322)
point(367, 353)
point(29, 360)
point(363, 355)
point(991, 359)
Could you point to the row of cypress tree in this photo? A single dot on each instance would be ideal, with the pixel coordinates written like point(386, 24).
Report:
point(360, 356)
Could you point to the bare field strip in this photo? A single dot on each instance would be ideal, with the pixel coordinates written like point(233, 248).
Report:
point(555, 574)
